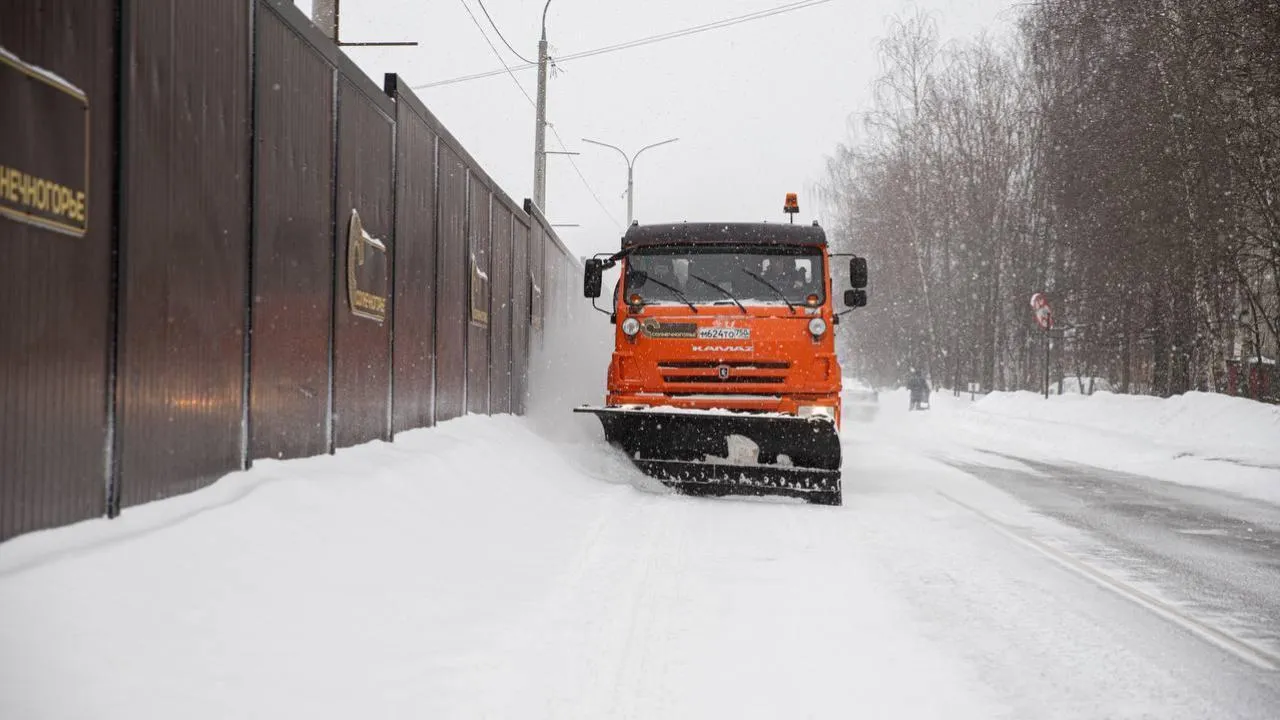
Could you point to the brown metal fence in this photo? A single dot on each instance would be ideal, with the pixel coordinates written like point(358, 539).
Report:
point(520, 287)
point(292, 240)
point(275, 259)
point(451, 273)
point(184, 245)
point(479, 239)
point(500, 312)
point(538, 232)
point(56, 335)
point(362, 341)
point(414, 263)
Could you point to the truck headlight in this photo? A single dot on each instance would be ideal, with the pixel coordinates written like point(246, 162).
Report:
point(630, 327)
point(811, 411)
point(817, 326)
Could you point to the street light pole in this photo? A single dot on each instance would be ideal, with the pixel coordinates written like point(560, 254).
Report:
point(631, 162)
point(540, 132)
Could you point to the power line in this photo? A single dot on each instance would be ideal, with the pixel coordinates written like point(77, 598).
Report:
point(576, 169)
point(694, 30)
point(582, 177)
point(496, 54)
point(500, 37)
point(760, 14)
point(757, 15)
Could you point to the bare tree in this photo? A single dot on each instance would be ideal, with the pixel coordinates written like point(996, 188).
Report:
point(1121, 155)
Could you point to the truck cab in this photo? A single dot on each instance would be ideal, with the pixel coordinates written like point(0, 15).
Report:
point(724, 353)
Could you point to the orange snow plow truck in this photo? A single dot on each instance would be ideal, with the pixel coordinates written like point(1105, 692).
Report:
point(724, 377)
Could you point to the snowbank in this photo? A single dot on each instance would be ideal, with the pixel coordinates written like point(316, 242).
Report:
point(1198, 439)
point(1203, 425)
point(275, 592)
point(1084, 385)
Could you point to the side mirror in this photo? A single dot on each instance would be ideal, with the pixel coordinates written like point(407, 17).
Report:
point(858, 274)
point(593, 278)
point(855, 298)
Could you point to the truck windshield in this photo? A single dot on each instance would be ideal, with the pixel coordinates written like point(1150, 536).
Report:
point(754, 275)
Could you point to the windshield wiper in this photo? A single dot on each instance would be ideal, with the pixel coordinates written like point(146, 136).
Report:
point(683, 299)
point(772, 287)
point(726, 293)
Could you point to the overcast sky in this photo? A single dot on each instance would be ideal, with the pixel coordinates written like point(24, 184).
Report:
point(756, 106)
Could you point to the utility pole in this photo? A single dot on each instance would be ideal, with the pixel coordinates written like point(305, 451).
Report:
point(540, 131)
point(326, 16)
point(631, 162)
point(324, 13)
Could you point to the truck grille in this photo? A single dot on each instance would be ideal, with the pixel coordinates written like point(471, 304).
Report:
point(716, 379)
point(713, 364)
point(724, 376)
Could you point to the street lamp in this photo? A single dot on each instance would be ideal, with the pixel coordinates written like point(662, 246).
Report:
point(631, 162)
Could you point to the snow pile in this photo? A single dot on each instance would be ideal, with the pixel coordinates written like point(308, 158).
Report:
point(356, 585)
point(1197, 439)
point(1084, 385)
point(1203, 425)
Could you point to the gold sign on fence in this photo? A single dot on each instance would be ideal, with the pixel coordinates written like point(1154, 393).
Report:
point(535, 303)
point(363, 303)
point(44, 148)
point(479, 294)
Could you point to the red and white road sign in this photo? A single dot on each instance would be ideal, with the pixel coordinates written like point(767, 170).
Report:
point(1041, 311)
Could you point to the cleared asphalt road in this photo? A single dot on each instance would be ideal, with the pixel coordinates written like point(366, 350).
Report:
point(1213, 555)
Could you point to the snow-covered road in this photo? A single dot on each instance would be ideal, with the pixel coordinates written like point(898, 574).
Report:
point(481, 569)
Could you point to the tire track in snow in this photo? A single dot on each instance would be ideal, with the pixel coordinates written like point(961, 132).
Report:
point(640, 676)
point(598, 644)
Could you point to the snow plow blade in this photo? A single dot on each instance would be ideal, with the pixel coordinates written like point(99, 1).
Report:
point(720, 453)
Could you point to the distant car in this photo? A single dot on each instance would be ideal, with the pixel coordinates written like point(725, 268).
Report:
point(861, 401)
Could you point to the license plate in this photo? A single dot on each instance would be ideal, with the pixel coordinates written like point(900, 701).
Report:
point(723, 333)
